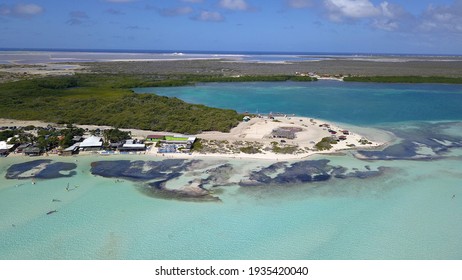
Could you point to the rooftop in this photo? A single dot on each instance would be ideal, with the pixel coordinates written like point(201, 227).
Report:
point(92, 141)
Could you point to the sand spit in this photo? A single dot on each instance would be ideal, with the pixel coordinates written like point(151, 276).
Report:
point(258, 132)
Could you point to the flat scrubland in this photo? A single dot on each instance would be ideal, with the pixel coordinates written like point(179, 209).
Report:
point(344, 67)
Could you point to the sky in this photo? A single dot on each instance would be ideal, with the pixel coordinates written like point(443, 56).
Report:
point(351, 26)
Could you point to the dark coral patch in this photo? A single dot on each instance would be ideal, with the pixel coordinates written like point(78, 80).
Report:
point(41, 169)
point(303, 172)
point(137, 170)
point(431, 136)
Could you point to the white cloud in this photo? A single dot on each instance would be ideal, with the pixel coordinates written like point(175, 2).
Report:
point(176, 11)
point(393, 17)
point(209, 16)
point(384, 16)
point(341, 10)
point(299, 4)
point(240, 5)
point(386, 9)
point(442, 18)
point(385, 24)
point(28, 9)
point(21, 10)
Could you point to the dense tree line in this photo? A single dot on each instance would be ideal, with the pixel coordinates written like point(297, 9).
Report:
point(107, 100)
point(189, 79)
point(45, 138)
point(115, 135)
point(5, 134)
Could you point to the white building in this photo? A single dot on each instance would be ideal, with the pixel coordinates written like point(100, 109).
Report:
point(93, 143)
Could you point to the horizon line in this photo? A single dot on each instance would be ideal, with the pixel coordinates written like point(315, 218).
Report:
point(225, 52)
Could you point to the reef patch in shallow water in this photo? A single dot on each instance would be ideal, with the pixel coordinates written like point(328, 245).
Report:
point(155, 174)
point(422, 141)
point(138, 170)
point(303, 172)
point(192, 191)
point(41, 169)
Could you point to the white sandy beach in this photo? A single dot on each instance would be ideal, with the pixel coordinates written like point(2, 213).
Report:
point(257, 131)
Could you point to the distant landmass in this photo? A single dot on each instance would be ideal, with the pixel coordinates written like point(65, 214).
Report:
point(30, 56)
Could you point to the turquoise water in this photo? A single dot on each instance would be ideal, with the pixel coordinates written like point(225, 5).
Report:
point(352, 103)
point(410, 211)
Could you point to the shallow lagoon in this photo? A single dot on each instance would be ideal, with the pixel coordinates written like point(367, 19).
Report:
point(410, 211)
point(405, 213)
point(345, 102)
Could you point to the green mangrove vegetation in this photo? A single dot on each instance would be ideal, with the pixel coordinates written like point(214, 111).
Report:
point(325, 144)
point(107, 100)
point(284, 149)
point(404, 79)
point(251, 149)
point(188, 79)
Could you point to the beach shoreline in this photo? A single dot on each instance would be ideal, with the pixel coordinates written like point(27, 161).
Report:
point(257, 132)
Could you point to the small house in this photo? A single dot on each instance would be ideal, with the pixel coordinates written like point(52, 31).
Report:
point(283, 133)
point(93, 143)
point(77, 138)
point(173, 144)
point(70, 150)
point(190, 142)
point(116, 145)
point(6, 148)
point(20, 148)
point(132, 148)
point(32, 151)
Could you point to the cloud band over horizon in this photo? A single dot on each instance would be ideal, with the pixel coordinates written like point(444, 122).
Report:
point(250, 23)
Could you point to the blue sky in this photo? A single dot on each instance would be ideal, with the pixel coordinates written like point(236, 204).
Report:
point(358, 26)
